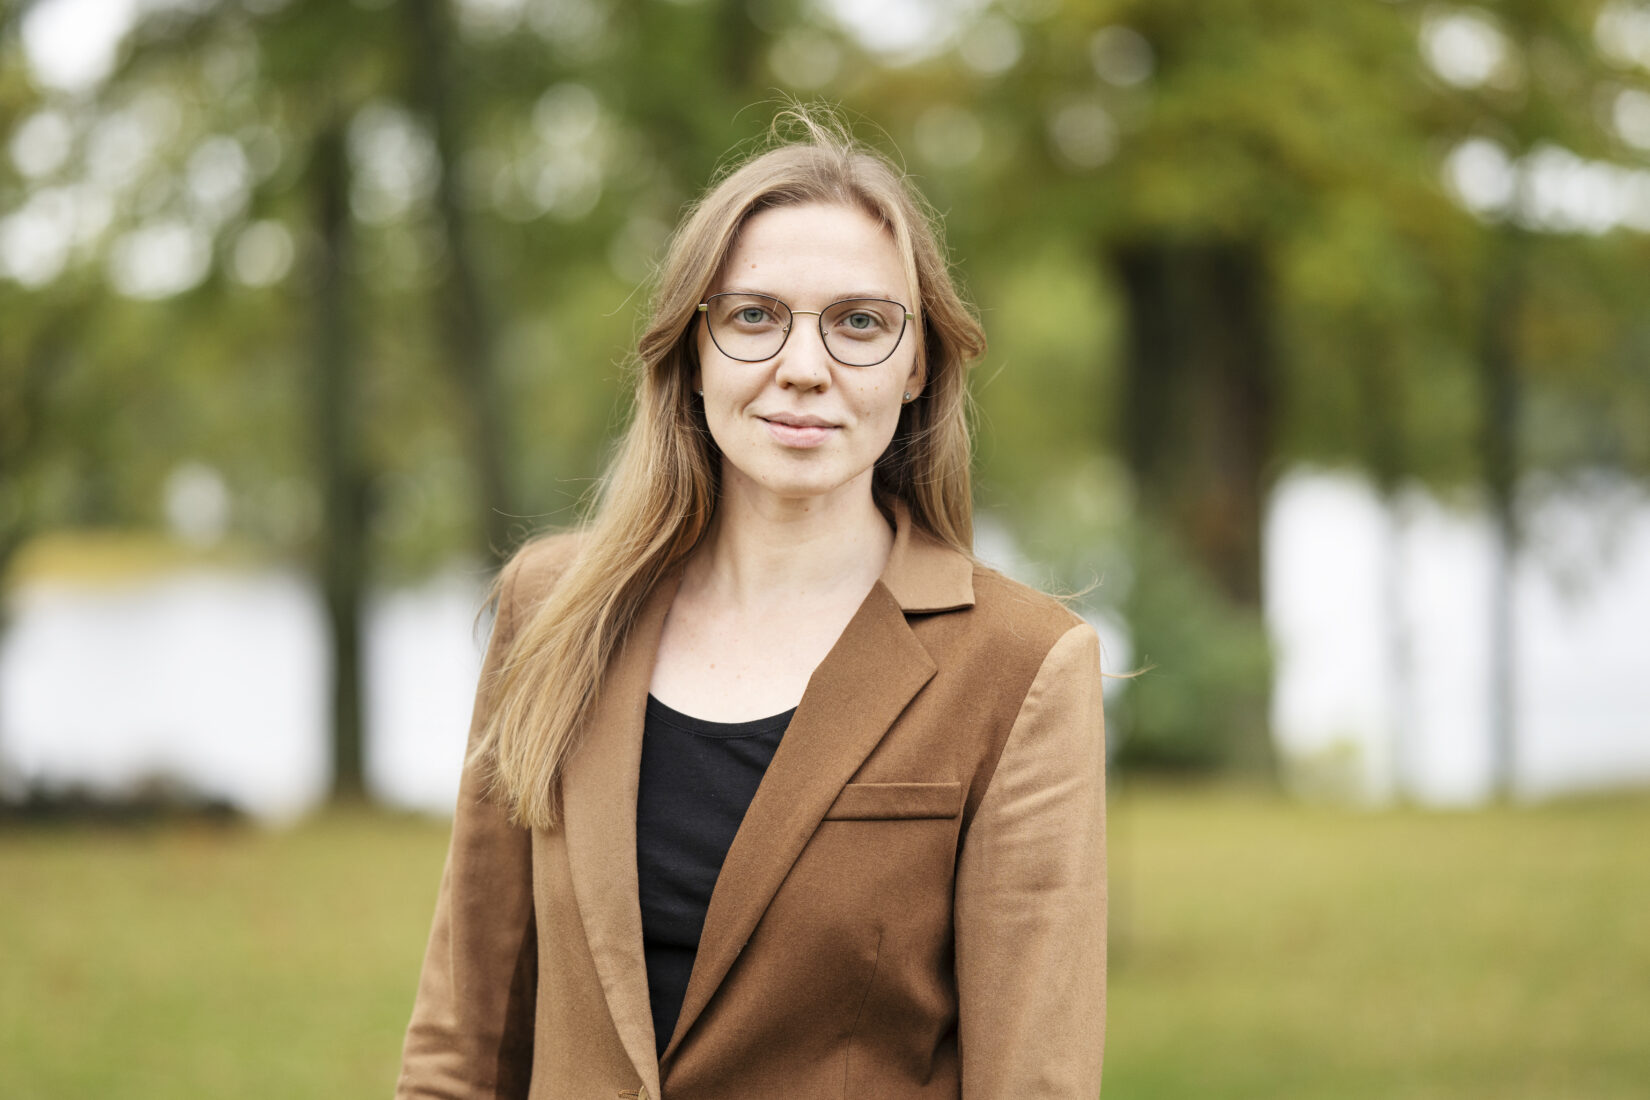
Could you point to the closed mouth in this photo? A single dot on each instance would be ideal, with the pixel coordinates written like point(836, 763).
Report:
point(798, 421)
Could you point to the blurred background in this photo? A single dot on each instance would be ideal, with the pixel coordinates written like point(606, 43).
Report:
point(1320, 367)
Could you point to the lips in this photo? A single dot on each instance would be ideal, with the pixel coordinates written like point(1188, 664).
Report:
point(800, 432)
point(792, 421)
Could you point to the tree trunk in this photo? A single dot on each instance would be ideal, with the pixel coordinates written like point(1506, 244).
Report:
point(342, 550)
point(1378, 377)
point(1498, 382)
point(1198, 407)
point(460, 303)
point(1199, 400)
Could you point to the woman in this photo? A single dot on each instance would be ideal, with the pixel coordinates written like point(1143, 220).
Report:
point(773, 791)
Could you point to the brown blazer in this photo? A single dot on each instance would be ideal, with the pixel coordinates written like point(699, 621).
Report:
point(914, 905)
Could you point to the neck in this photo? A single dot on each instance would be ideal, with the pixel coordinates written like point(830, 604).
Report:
point(762, 550)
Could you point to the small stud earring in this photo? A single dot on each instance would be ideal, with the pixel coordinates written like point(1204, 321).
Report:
point(701, 393)
point(907, 398)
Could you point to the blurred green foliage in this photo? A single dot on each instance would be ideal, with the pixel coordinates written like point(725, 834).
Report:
point(1258, 950)
point(1206, 662)
point(1328, 283)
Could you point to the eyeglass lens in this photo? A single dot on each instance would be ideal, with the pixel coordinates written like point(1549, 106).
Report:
point(858, 332)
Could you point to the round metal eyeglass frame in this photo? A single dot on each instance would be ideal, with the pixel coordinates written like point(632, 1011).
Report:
point(906, 317)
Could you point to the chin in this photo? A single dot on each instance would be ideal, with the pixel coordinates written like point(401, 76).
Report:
point(798, 485)
point(804, 489)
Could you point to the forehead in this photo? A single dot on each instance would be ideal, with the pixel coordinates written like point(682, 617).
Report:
point(814, 254)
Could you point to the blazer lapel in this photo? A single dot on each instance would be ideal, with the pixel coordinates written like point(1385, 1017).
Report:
point(599, 788)
point(853, 697)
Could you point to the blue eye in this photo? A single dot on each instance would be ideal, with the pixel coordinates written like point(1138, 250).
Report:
point(861, 323)
point(754, 317)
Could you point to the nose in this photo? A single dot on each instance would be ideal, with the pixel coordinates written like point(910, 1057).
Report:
point(803, 363)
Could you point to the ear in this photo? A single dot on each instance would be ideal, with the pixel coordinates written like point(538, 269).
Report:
point(916, 379)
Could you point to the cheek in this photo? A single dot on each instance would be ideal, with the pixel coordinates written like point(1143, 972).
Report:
point(879, 404)
point(881, 397)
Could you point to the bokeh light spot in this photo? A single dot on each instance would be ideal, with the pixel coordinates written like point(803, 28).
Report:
point(1083, 133)
point(159, 260)
point(1121, 56)
point(1463, 47)
point(263, 254)
point(42, 143)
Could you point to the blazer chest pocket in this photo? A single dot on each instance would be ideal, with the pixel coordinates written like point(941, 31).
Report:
point(896, 801)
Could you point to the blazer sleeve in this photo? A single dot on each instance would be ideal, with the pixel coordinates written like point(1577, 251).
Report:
point(471, 1034)
point(1031, 895)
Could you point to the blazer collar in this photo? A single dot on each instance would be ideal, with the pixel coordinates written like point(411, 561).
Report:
point(923, 573)
point(872, 673)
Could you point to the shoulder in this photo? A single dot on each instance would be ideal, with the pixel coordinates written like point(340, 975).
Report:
point(990, 652)
point(1020, 616)
point(1045, 660)
point(963, 605)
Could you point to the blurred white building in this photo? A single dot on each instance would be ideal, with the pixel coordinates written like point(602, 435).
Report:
point(1381, 619)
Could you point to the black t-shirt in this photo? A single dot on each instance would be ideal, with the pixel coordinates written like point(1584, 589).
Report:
point(697, 781)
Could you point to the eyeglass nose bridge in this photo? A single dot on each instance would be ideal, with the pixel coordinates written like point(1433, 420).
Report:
point(795, 313)
point(824, 344)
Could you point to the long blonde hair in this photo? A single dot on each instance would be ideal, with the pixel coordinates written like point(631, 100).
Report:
point(660, 491)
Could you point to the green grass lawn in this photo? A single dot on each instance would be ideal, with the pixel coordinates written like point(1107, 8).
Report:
point(1259, 950)
point(1267, 950)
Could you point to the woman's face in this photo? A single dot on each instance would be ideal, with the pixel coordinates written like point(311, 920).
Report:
point(801, 425)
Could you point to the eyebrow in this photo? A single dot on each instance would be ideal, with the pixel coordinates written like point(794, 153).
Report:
point(878, 294)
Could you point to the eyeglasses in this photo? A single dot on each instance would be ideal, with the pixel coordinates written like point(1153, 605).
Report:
point(857, 332)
